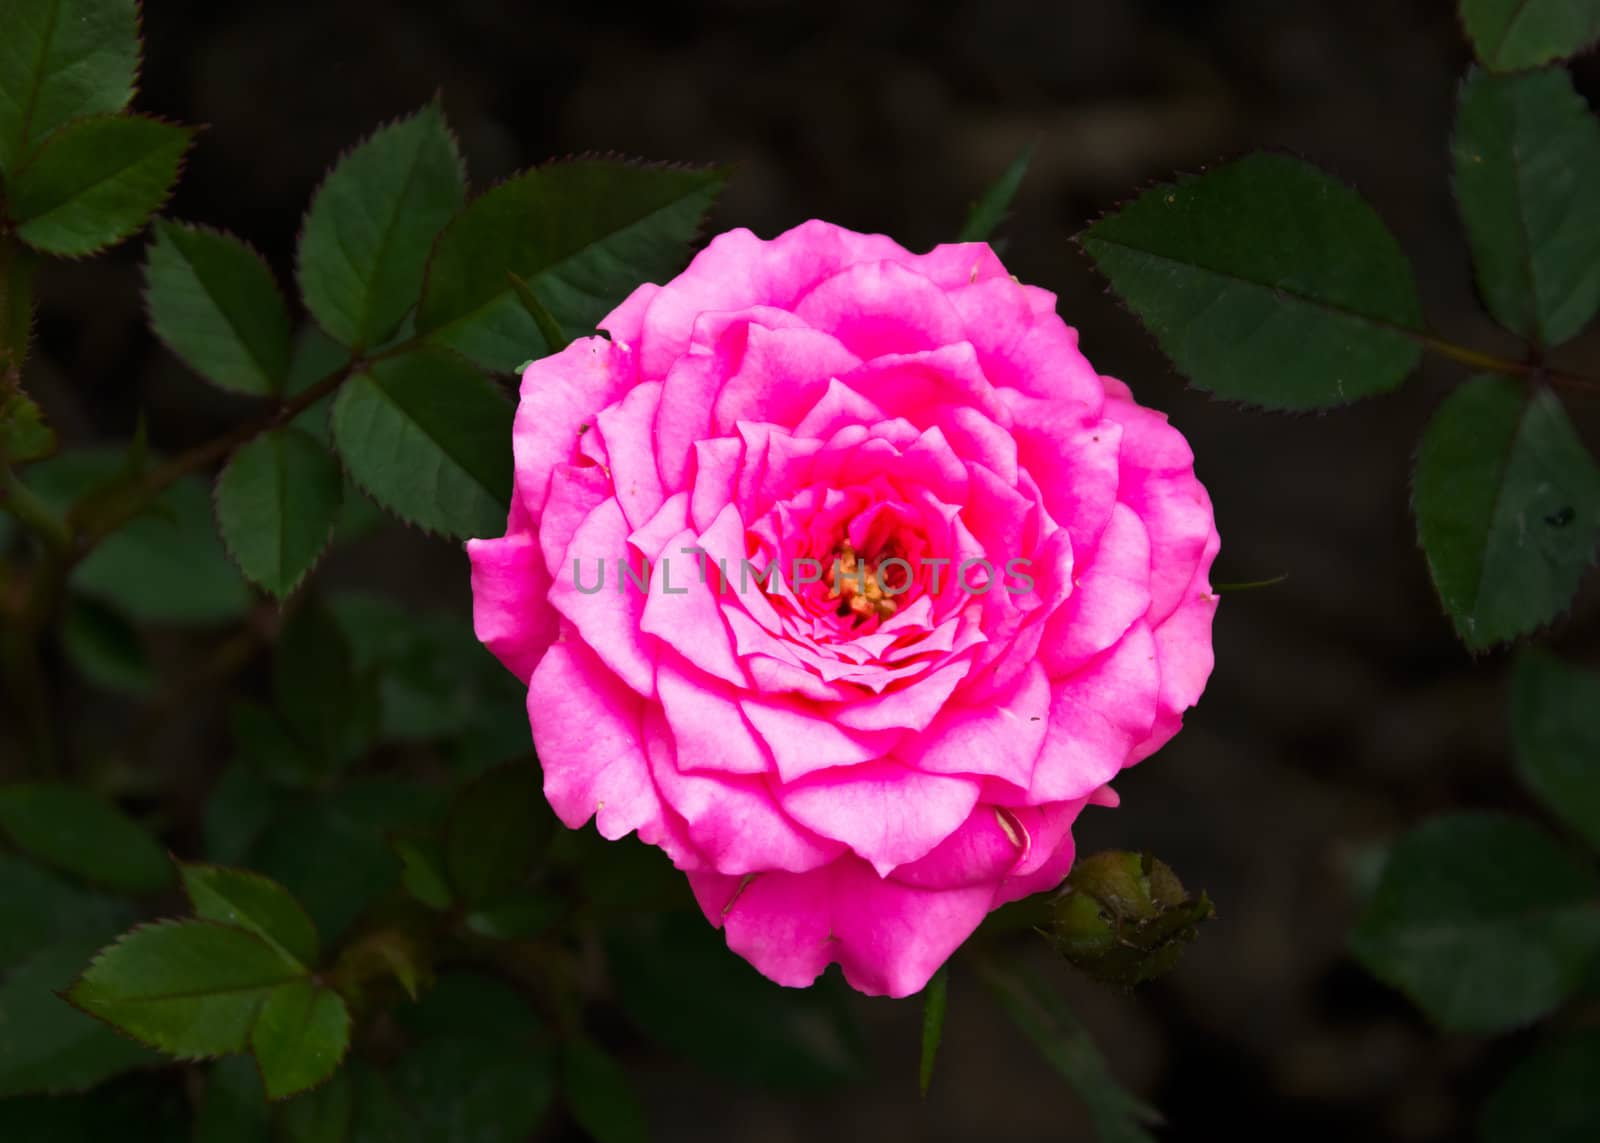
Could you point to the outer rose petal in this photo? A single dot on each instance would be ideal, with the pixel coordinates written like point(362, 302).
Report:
point(889, 938)
point(586, 728)
point(560, 394)
point(1183, 648)
point(509, 612)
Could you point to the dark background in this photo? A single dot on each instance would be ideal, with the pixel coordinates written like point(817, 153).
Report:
point(1341, 708)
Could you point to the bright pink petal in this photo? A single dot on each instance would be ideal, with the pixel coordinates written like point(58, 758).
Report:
point(605, 608)
point(586, 728)
point(560, 395)
point(510, 613)
point(1001, 739)
point(888, 938)
point(887, 812)
point(876, 308)
point(1097, 717)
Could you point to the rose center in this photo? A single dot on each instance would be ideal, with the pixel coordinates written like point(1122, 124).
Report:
point(867, 586)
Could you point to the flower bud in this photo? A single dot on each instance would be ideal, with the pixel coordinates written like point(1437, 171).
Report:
point(1125, 917)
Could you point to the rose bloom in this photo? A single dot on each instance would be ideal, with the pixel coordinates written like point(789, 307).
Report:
point(845, 773)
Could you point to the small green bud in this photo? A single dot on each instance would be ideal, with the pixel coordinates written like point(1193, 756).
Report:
point(1124, 918)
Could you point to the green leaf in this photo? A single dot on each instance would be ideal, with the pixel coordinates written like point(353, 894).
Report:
point(277, 502)
point(167, 566)
point(241, 806)
point(61, 59)
point(1513, 34)
point(250, 901)
point(189, 988)
point(329, 710)
point(1527, 159)
point(555, 339)
point(479, 1068)
point(73, 830)
point(39, 909)
point(106, 649)
point(322, 1115)
point(422, 871)
point(1482, 920)
point(96, 182)
point(1265, 281)
point(582, 234)
point(429, 437)
point(54, 1047)
point(234, 1107)
point(213, 299)
point(756, 1033)
point(1044, 1017)
point(380, 1116)
point(599, 1096)
point(372, 225)
point(300, 1038)
point(936, 998)
point(1555, 728)
point(498, 825)
point(435, 678)
point(344, 832)
point(990, 210)
point(1508, 508)
point(1549, 1097)
point(24, 435)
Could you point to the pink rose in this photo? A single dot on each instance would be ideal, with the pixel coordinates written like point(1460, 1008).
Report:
point(856, 765)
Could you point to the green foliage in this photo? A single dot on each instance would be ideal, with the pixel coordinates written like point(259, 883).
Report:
point(71, 829)
point(755, 1033)
point(372, 225)
point(327, 709)
point(1555, 729)
point(1045, 1018)
point(1513, 34)
point(106, 649)
point(277, 503)
point(428, 436)
point(238, 975)
point(330, 850)
point(234, 1106)
point(1482, 920)
point(1508, 508)
point(61, 59)
point(48, 929)
point(1527, 160)
point(1265, 281)
point(598, 1096)
point(581, 233)
point(165, 566)
point(935, 999)
point(249, 901)
point(480, 1066)
point(214, 300)
point(96, 182)
point(435, 680)
point(990, 210)
point(1550, 1096)
point(190, 988)
point(50, 1046)
point(497, 827)
point(322, 1115)
point(300, 1037)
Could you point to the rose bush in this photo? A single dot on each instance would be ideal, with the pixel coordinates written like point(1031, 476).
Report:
point(854, 768)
